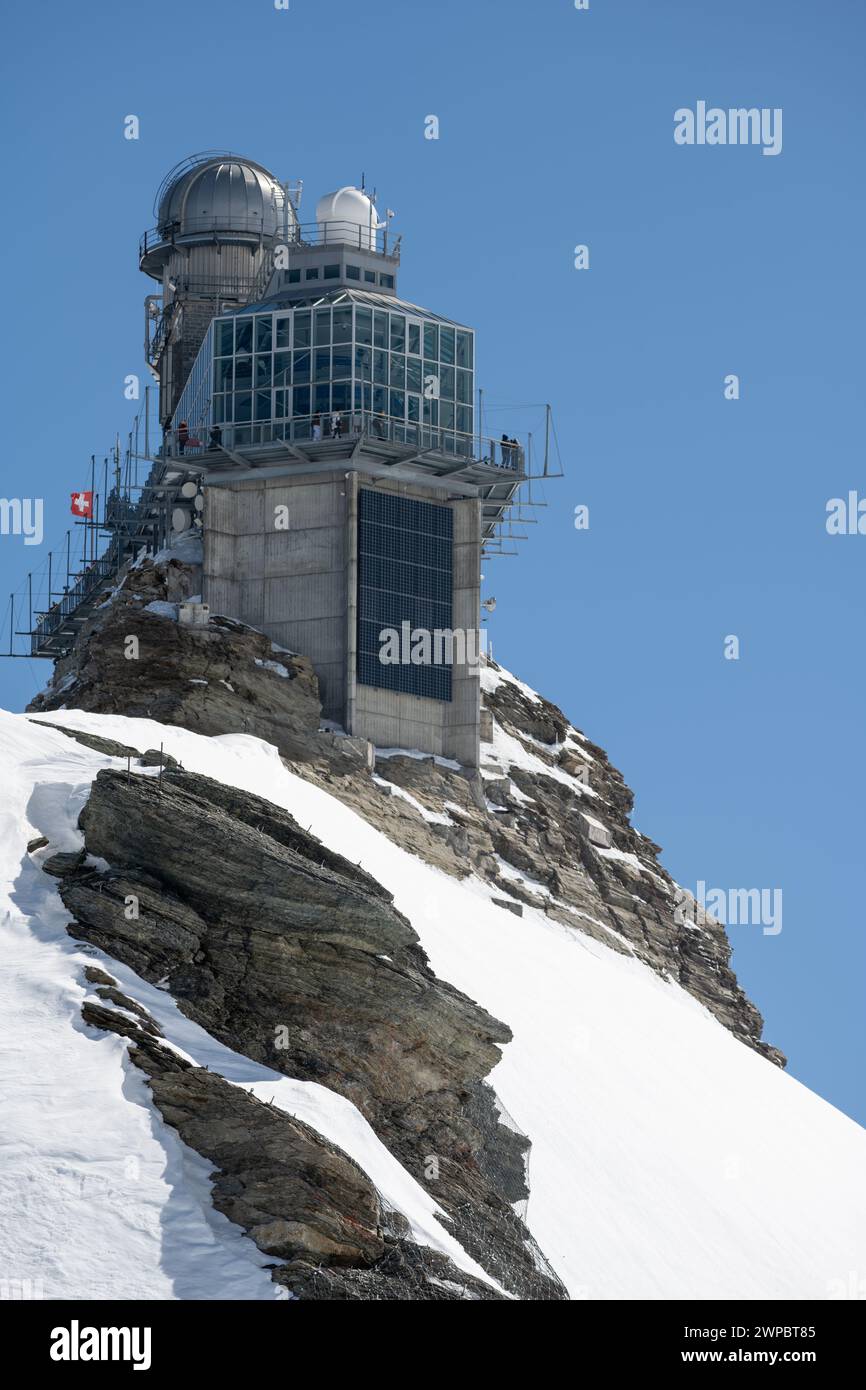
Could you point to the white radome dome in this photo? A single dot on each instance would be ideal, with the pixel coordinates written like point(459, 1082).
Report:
point(348, 207)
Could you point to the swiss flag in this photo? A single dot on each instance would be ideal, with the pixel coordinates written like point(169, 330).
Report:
point(82, 504)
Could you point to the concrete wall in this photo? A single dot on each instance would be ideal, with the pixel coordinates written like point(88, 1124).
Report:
point(290, 583)
point(299, 585)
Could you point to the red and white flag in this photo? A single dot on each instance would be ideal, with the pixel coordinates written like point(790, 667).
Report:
point(82, 504)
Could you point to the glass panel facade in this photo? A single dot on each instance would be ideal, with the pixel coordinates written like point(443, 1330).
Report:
point(405, 575)
point(258, 368)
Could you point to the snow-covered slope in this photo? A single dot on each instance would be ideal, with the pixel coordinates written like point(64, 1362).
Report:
point(98, 1197)
point(668, 1159)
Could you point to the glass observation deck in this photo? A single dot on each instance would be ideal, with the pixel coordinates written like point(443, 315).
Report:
point(283, 371)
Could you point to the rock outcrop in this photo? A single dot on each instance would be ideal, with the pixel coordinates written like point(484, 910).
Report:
point(134, 657)
point(301, 1199)
point(292, 956)
point(546, 823)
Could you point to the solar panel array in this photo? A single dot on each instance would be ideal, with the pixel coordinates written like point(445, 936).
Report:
point(405, 566)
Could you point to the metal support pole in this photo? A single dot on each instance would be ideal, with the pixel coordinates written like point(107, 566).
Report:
point(546, 438)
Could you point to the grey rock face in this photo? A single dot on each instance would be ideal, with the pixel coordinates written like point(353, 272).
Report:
point(297, 958)
point(607, 884)
point(211, 680)
point(299, 1197)
point(214, 680)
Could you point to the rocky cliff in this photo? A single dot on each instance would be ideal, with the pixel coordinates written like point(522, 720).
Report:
point(296, 958)
point(292, 956)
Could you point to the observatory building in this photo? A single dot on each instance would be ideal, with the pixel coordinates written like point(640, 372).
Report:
point(321, 433)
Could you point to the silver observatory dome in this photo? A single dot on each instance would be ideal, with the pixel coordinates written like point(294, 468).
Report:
point(216, 194)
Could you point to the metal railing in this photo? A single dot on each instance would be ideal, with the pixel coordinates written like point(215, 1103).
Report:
point(209, 440)
point(249, 227)
point(87, 582)
point(374, 237)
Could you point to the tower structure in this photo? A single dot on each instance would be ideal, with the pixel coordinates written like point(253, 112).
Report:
point(320, 433)
point(218, 218)
point(330, 424)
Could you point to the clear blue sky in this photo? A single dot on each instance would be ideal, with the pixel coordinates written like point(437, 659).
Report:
point(706, 516)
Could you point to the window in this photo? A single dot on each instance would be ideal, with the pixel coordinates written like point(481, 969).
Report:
point(331, 272)
point(322, 399)
point(243, 372)
point(244, 335)
point(263, 370)
point(342, 362)
point(398, 405)
point(343, 325)
point(413, 374)
point(301, 396)
point(405, 550)
point(353, 272)
point(323, 326)
point(380, 368)
point(223, 374)
point(341, 395)
point(263, 405)
point(243, 405)
point(398, 333)
point(446, 382)
point(380, 330)
point(398, 370)
point(225, 337)
point(415, 338)
point(302, 329)
point(370, 277)
point(464, 349)
point(264, 332)
point(301, 366)
point(363, 326)
point(386, 281)
point(283, 331)
point(464, 387)
point(293, 277)
point(282, 368)
point(431, 341)
point(323, 364)
point(312, 273)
